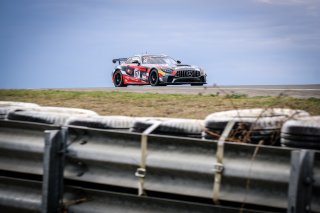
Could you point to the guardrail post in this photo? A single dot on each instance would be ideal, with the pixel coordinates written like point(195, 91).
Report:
point(53, 163)
point(301, 180)
point(141, 171)
point(219, 164)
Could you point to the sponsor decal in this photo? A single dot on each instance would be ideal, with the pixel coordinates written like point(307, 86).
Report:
point(129, 71)
point(161, 72)
point(136, 73)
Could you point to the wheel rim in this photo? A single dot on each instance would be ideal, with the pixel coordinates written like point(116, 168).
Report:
point(117, 79)
point(154, 78)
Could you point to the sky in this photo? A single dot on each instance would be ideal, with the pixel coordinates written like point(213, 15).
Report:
point(71, 43)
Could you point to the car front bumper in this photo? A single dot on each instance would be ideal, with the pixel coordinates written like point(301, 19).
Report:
point(169, 79)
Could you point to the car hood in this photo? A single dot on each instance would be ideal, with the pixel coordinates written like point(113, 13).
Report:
point(177, 67)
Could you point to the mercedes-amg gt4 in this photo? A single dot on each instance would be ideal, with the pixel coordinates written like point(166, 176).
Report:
point(155, 70)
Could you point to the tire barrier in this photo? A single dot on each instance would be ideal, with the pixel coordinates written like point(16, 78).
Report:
point(176, 127)
point(85, 164)
point(103, 122)
point(302, 133)
point(251, 125)
point(7, 106)
point(48, 115)
point(142, 123)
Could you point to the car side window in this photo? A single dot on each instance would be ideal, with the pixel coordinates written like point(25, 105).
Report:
point(128, 61)
point(136, 58)
point(145, 60)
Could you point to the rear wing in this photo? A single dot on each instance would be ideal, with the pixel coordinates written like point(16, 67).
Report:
point(119, 60)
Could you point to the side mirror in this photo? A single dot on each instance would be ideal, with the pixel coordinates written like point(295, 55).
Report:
point(135, 62)
point(179, 62)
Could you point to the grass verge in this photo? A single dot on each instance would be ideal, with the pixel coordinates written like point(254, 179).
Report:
point(163, 105)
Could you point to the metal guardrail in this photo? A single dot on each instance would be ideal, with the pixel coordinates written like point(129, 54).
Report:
point(180, 166)
point(175, 166)
point(18, 196)
point(22, 146)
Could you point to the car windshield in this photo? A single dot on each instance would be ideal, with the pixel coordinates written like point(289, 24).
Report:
point(157, 60)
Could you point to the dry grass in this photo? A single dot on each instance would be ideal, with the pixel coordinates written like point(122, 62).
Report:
point(164, 105)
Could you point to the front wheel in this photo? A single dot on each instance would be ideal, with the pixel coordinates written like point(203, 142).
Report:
point(196, 84)
point(118, 79)
point(154, 78)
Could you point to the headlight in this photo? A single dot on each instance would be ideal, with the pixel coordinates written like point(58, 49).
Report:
point(167, 70)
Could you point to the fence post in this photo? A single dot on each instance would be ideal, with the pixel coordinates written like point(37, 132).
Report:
point(53, 163)
point(301, 180)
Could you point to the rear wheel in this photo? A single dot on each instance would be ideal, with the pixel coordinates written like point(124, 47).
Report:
point(118, 79)
point(154, 78)
point(196, 84)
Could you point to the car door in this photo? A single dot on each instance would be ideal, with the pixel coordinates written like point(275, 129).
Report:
point(138, 71)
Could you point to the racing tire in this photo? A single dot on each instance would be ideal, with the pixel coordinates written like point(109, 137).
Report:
point(118, 79)
point(154, 78)
point(197, 85)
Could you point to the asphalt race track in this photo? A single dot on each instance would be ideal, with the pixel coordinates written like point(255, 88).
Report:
point(297, 91)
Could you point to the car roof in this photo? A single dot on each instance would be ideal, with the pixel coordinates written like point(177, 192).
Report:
point(150, 55)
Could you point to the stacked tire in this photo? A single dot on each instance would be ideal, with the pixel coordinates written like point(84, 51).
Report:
point(302, 133)
point(251, 125)
point(48, 115)
point(8, 106)
point(173, 127)
point(103, 122)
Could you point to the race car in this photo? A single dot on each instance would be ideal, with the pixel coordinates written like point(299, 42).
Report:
point(155, 70)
